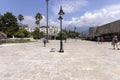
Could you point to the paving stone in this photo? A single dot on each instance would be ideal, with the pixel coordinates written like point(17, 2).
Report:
point(82, 60)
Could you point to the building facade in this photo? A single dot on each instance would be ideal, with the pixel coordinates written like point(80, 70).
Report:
point(30, 29)
point(52, 31)
point(107, 30)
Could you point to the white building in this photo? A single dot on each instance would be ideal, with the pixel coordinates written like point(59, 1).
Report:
point(52, 31)
point(29, 29)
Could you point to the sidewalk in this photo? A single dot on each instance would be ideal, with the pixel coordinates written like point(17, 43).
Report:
point(81, 60)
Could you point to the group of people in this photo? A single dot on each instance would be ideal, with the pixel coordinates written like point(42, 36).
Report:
point(100, 39)
point(114, 41)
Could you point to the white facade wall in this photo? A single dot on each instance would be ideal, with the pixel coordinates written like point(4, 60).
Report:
point(51, 30)
point(30, 29)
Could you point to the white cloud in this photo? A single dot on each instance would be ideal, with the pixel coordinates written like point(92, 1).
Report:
point(101, 16)
point(30, 20)
point(73, 5)
point(90, 19)
point(96, 17)
point(69, 6)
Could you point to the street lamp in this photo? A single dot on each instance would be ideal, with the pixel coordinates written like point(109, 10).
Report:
point(47, 20)
point(60, 18)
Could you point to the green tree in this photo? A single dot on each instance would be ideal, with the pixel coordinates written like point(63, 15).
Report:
point(21, 33)
point(38, 17)
point(69, 34)
point(20, 18)
point(37, 23)
point(1, 24)
point(37, 35)
point(25, 26)
point(64, 35)
point(9, 24)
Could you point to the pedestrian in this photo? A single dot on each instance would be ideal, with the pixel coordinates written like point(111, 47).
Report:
point(98, 39)
point(115, 42)
point(101, 40)
point(44, 41)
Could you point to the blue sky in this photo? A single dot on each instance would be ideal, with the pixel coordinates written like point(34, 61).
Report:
point(79, 13)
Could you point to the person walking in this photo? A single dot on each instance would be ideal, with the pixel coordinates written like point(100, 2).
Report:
point(115, 42)
point(44, 41)
point(101, 40)
point(98, 39)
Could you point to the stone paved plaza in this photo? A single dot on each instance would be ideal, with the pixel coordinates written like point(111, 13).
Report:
point(82, 60)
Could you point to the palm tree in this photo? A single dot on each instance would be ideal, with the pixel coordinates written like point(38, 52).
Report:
point(38, 17)
point(37, 22)
point(20, 18)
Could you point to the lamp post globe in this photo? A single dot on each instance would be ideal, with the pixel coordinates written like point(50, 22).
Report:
point(61, 11)
point(60, 18)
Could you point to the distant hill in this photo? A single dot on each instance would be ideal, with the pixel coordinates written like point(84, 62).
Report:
point(78, 29)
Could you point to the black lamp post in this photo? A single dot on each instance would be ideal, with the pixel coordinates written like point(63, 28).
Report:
point(60, 18)
point(47, 20)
